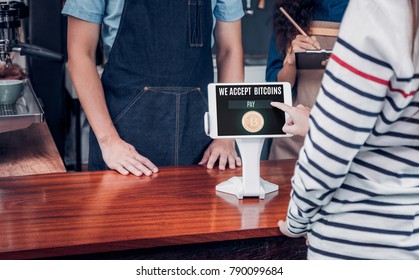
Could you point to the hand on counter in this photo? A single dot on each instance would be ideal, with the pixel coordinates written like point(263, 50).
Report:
point(284, 230)
point(122, 157)
point(224, 151)
point(298, 118)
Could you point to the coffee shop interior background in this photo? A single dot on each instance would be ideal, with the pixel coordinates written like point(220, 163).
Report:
point(46, 27)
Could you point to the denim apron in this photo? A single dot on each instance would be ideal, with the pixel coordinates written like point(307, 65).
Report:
point(156, 78)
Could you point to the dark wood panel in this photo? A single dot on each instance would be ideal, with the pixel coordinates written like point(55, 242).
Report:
point(265, 248)
point(91, 212)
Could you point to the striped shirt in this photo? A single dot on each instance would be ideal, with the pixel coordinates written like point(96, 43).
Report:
point(356, 182)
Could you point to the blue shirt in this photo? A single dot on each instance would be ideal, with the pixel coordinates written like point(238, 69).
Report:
point(324, 10)
point(108, 14)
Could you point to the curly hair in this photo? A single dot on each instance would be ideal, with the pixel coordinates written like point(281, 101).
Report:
point(301, 11)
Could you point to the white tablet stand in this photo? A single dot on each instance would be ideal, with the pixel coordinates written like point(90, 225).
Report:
point(250, 184)
point(254, 103)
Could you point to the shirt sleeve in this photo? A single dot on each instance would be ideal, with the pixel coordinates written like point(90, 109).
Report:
point(92, 11)
point(228, 10)
point(275, 61)
point(350, 100)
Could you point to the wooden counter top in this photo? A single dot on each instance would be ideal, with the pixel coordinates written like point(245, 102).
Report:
point(29, 151)
point(88, 212)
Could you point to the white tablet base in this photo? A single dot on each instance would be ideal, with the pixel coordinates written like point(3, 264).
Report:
point(250, 184)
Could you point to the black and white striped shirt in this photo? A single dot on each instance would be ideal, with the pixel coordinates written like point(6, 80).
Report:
point(356, 182)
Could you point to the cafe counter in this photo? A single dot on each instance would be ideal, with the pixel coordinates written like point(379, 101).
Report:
point(29, 151)
point(174, 214)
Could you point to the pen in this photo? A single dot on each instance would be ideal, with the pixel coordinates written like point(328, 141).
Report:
point(292, 21)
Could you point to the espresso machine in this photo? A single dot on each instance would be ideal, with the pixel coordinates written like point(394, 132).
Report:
point(11, 14)
point(28, 109)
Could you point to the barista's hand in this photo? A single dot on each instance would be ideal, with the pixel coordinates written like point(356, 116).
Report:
point(122, 157)
point(284, 230)
point(224, 151)
point(301, 43)
point(298, 118)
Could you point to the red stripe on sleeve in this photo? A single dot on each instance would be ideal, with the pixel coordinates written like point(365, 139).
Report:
point(370, 77)
point(405, 94)
point(358, 72)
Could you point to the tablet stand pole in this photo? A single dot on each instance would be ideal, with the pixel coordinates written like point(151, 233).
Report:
point(250, 184)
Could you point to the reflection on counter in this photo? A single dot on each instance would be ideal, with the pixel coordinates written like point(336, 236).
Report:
point(251, 210)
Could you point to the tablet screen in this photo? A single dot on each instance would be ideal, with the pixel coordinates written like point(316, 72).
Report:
point(245, 109)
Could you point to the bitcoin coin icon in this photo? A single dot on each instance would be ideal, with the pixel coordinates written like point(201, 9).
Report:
point(253, 121)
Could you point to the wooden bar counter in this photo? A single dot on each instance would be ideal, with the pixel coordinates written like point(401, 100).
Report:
point(175, 214)
point(29, 151)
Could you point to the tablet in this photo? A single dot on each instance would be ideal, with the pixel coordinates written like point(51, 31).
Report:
point(243, 110)
point(312, 59)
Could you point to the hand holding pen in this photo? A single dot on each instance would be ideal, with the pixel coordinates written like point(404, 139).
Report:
point(302, 41)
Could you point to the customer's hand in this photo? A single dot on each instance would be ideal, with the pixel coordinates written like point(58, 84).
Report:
point(298, 118)
point(282, 225)
point(224, 151)
point(122, 157)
